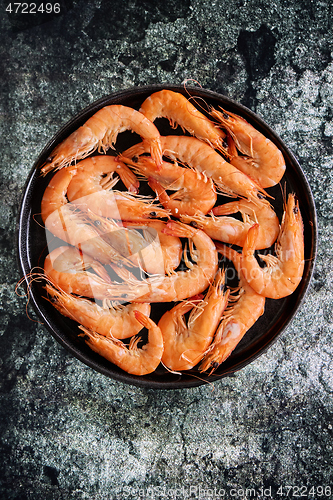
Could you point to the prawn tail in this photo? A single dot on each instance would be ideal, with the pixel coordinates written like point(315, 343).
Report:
point(129, 179)
point(175, 228)
point(156, 152)
point(143, 319)
point(250, 240)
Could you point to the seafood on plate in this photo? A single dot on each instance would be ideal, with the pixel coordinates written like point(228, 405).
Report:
point(124, 252)
point(283, 271)
point(186, 342)
point(245, 307)
point(111, 320)
point(132, 359)
point(261, 159)
point(180, 111)
point(100, 132)
point(234, 231)
point(194, 193)
point(198, 155)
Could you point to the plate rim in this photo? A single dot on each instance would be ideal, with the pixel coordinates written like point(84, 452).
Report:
point(21, 231)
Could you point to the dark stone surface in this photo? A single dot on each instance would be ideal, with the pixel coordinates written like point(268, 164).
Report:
point(68, 432)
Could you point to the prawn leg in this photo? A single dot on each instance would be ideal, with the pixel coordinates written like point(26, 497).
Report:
point(67, 268)
point(183, 284)
point(261, 213)
point(233, 231)
point(157, 252)
point(194, 192)
point(96, 174)
point(153, 251)
point(66, 221)
point(201, 157)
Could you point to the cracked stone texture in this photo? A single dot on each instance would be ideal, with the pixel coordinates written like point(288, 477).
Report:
point(68, 432)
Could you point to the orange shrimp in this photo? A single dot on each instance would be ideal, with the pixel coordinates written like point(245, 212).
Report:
point(101, 132)
point(96, 174)
point(156, 252)
point(184, 345)
point(195, 193)
point(134, 360)
point(230, 230)
point(201, 157)
point(180, 111)
point(151, 250)
point(110, 320)
point(183, 284)
point(89, 176)
point(263, 162)
point(66, 222)
point(85, 187)
point(54, 195)
point(245, 309)
point(66, 268)
point(108, 202)
point(283, 272)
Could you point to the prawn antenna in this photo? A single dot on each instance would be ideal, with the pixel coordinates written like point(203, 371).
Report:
point(29, 279)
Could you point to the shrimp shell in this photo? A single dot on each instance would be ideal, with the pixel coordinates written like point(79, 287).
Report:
point(283, 272)
point(116, 321)
point(245, 309)
point(183, 284)
point(55, 194)
point(263, 162)
point(194, 192)
point(159, 253)
point(233, 231)
point(107, 202)
point(95, 174)
point(134, 360)
point(100, 132)
point(65, 221)
point(179, 110)
point(200, 156)
point(66, 267)
point(153, 251)
point(185, 344)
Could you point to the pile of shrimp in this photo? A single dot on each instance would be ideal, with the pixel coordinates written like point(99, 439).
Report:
point(119, 254)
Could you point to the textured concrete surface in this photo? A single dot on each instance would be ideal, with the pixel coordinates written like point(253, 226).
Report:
point(68, 432)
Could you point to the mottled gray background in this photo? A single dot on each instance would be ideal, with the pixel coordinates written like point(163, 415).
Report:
point(68, 432)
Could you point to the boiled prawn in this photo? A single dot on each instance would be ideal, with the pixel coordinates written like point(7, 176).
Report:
point(185, 344)
point(67, 268)
point(200, 273)
point(201, 157)
point(246, 306)
point(180, 111)
point(233, 231)
point(111, 320)
point(194, 191)
point(101, 132)
point(283, 271)
point(262, 160)
point(132, 359)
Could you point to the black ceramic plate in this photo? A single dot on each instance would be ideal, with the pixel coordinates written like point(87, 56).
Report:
point(32, 248)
